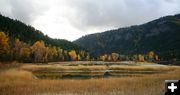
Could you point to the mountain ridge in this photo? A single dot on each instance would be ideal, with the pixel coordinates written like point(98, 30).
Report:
point(143, 38)
point(28, 34)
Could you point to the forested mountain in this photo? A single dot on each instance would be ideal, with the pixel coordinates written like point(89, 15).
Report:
point(23, 43)
point(161, 36)
point(28, 34)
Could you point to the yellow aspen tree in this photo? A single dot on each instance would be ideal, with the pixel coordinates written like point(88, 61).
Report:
point(52, 53)
point(141, 58)
point(4, 43)
point(115, 56)
point(109, 58)
point(40, 51)
point(104, 57)
point(17, 47)
point(78, 57)
point(73, 55)
point(25, 53)
point(151, 55)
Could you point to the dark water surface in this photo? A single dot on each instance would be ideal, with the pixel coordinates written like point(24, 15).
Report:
point(90, 74)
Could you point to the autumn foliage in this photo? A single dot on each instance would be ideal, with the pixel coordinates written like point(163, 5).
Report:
point(3, 43)
point(40, 52)
point(73, 55)
point(115, 56)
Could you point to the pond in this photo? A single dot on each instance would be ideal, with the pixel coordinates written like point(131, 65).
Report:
point(77, 74)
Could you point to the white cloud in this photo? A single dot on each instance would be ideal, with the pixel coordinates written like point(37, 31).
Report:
point(70, 19)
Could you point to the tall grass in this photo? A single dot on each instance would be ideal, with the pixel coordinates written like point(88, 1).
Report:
point(32, 67)
point(52, 67)
point(16, 81)
point(144, 68)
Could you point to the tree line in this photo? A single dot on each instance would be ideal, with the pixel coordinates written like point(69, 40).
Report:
point(38, 52)
point(150, 57)
point(138, 39)
point(28, 34)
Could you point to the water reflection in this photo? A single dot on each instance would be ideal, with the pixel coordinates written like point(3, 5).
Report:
point(89, 74)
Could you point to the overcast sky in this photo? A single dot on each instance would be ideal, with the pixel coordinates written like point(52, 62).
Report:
point(71, 19)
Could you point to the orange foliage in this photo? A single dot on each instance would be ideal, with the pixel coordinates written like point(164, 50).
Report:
point(104, 57)
point(25, 53)
point(73, 55)
point(78, 57)
point(115, 56)
point(40, 51)
point(4, 45)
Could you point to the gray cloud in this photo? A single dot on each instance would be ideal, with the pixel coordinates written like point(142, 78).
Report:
point(24, 10)
point(119, 13)
point(79, 17)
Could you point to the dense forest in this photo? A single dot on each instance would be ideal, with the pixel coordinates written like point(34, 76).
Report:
point(161, 36)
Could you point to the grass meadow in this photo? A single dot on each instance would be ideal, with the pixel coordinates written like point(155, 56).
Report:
point(17, 79)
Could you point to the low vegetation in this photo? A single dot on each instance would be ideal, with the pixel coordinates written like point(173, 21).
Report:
point(60, 67)
point(34, 67)
point(19, 81)
point(144, 68)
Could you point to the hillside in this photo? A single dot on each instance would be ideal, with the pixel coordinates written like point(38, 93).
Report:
point(161, 36)
point(28, 34)
point(23, 43)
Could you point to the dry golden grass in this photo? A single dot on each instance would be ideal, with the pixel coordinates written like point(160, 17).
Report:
point(16, 81)
point(33, 67)
point(60, 67)
point(144, 68)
